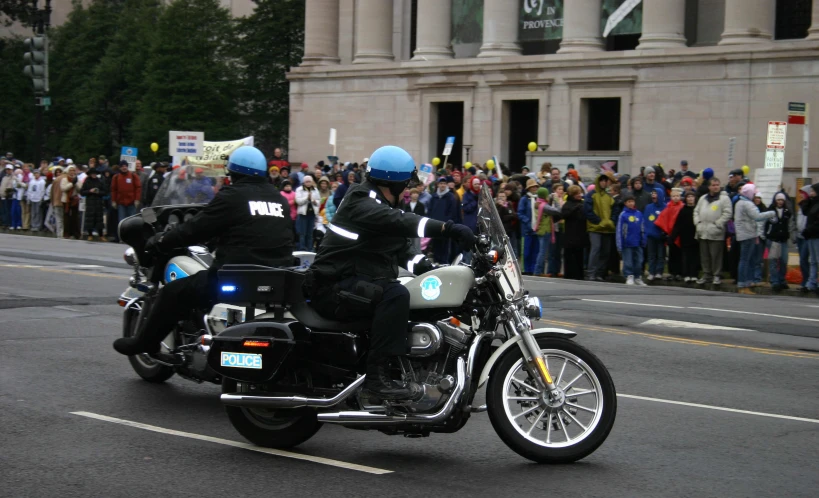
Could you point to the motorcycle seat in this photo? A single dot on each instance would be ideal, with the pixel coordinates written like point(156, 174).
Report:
point(310, 318)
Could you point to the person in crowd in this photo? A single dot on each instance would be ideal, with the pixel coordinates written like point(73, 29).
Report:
point(71, 203)
point(442, 207)
point(469, 203)
point(24, 203)
point(460, 185)
point(758, 260)
point(415, 206)
point(279, 160)
point(308, 202)
point(93, 189)
point(349, 179)
point(200, 189)
point(554, 179)
point(650, 175)
point(684, 234)
point(527, 209)
point(746, 216)
point(57, 204)
point(126, 191)
point(150, 189)
point(543, 223)
point(684, 172)
point(36, 193)
point(141, 172)
point(326, 210)
point(711, 217)
point(687, 184)
point(17, 191)
point(508, 216)
point(801, 242)
point(275, 177)
point(7, 193)
point(614, 190)
point(576, 239)
point(734, 181)
point(779, 231)
point(556, 199)
point(545, 173)
point(290, 196)
point(111, 220)
point(102, 164)
point(703, 183)
point(810, 207)
point(642, 197)
point(598, 208)
point(655, 237)
point(631, 239)
point(666, 221)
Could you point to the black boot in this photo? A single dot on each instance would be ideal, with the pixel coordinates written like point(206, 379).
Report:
point(379, 383)
point(140, 342)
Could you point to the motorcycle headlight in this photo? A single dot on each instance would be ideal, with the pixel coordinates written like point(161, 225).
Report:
point(130, 257)
point(532, 308)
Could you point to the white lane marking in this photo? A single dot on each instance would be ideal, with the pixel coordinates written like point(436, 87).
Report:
point(7, 265)
point(701, 308)
point(635, 304)
point(675, 324)
point(720, 408)
point(236, 444)
point(82, 266)
point(754, 313)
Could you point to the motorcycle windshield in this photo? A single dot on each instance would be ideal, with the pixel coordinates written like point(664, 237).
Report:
point(187, 185)
point(490, 224)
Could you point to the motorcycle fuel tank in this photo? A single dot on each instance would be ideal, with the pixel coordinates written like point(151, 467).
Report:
point(441, 288)
point(181, 267)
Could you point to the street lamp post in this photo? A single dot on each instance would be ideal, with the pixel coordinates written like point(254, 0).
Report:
point(467, 147)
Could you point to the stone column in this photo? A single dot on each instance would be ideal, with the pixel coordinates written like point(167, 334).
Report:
point(748, 21)
point(500, 28)
point(373, 31)
point(813, 32)
point(663, 24)
point(581, 26)
point(434, 31)
point(320, 33)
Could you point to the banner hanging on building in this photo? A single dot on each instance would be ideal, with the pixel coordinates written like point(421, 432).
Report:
point(540, 20)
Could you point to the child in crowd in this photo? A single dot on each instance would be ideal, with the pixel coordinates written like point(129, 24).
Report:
point(631, 238)
point(684, 233)
point(543, 215)
point(655, 238)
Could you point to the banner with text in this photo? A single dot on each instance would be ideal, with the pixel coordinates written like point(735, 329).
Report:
point(214, 156)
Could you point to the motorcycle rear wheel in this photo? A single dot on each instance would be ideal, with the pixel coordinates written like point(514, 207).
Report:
point(280, 429)
point(552, 432)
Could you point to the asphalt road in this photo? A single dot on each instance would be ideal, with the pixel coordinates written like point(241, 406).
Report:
point(58, 318)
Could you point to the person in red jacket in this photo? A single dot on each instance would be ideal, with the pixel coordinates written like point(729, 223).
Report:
point(126, 190)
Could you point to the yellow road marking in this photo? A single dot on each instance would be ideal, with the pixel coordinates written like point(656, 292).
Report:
point(692, 342)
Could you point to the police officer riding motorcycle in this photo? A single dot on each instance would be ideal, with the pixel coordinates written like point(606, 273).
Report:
point(355, 272)
point(248, 221)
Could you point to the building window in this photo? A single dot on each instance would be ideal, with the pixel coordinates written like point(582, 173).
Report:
point(793, 18)
point(522, 128)
point(448, 121)
point(600, 124)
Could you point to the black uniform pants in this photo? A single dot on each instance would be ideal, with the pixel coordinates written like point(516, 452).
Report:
point(174, 303)
point(390, 314)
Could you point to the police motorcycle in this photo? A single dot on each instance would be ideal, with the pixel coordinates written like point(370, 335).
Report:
point(176, 203)
point(548, 398)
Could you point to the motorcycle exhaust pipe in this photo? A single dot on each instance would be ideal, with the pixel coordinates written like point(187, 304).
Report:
point(249, 401)
point(367, 418)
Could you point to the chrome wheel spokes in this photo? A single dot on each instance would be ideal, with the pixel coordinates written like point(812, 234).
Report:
point(560, 422)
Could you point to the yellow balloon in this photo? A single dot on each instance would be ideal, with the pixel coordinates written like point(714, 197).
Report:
point(490, 164)
point(436, 161)
point(746, 169)
point(532, 146)
point(154, 146)
point(467, 165)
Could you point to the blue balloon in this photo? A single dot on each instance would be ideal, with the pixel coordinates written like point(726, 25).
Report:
point(708, 173)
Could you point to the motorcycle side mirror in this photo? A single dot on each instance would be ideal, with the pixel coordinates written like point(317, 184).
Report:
point(149, 216)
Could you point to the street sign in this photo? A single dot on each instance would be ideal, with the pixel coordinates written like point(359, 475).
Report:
point(332, 136)
point(186, 143)
point(732, 145)
point(619, 14)
point(797, 113)
point(767, 182)
point(775, 145)
point(128, 153)
point(450, 141)
point(425, 173)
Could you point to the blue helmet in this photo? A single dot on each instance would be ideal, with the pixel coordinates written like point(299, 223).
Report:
point(247, 160)
point(391, 164)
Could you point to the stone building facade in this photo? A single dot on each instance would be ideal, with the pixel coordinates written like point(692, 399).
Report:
point(381, 71)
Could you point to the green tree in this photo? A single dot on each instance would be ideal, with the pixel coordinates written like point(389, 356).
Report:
point(107, 101)
point(76, 49)
point(16, 102)
point(189, 82)
point(271, 41)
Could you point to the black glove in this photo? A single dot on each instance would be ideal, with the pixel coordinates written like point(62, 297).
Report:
point(461, 234)
point(152, 245)
point(422, 267)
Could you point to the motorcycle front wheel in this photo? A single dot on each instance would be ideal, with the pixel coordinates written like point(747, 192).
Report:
point(557, 431)
point(279, 429)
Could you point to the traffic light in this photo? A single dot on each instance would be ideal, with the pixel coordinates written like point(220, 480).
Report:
point(37, 63)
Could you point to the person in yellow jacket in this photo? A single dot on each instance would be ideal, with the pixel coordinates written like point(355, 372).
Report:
point(600, 225)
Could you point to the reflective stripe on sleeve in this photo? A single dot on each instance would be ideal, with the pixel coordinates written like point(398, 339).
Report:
point(344, 233)
point(421, 225)
point(373, 196)
point(414, 261)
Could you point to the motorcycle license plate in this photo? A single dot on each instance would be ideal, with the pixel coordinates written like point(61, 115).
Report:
point(242, 360)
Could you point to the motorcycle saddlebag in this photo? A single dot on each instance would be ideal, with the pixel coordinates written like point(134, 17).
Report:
point(254, 351)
